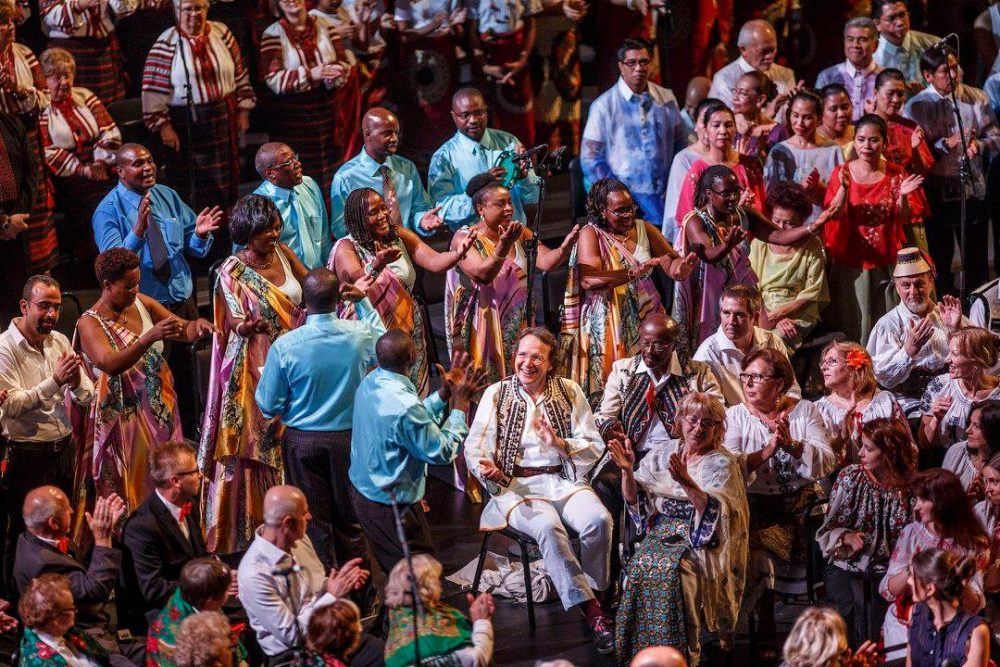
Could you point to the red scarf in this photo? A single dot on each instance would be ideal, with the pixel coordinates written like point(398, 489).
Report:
point(81, 136)
point(303, 40)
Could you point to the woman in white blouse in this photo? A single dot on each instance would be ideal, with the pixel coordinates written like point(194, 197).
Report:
point(949, 397)
point(968, 457)
point(854, 398)
point(787, 449)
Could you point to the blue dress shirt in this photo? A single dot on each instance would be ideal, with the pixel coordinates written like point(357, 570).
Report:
point(458, 160)
point(396, 436)
point(113, 221)
point(310, 378)
point(362, 171)
point(306, 228)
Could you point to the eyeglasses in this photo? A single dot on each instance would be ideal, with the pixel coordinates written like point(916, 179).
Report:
point(196, 471)
point(475, 113)
point(738, 92)
point(286, 163)
point(654, 347)
point(46, 307)
point(728, 194)
point(755, 378)
point(898, 16)
point(624, 211)
point(701, 421)
point(534, 358)
point(66, 611)
point(637, 62)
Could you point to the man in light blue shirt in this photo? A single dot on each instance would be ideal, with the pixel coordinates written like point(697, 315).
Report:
point(395, 178)
point(898, 46)
point(152, 221)
point(473, 150)
point(309, 380)
point(395, 437)
point(633, 131)
point(306, 228)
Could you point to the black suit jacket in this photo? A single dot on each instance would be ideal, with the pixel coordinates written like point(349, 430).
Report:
point(155, 552)
point(91, 584)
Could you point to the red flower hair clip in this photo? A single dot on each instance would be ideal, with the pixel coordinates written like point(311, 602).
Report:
point(858, 358)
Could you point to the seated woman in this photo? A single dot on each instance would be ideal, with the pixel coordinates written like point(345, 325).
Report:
point(205, 639)
point(50, 636)
point(486, 295)
point(939, 580)
point(609, 289)
point(987, 511)
point(333, 634)
point(791, 279)
point(854, 398)
point(204, 586)
point(135, 404)
point(79, 140)
point(819, 639)
point(982, 438)
point(869, 506)
point(787, 450)
point(689, 499)
point(944, 520)
point(445, 634)
point(949, 397)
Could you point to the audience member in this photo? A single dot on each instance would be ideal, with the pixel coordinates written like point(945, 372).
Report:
point(679, 168)
point(857, 73)
point(968, 458)
point(334, 633)
point(17, 192)
point(899, 47)
point(818, 639)
point(756, 131)
point(835, 118)
point(51, 636)
point(659, 656)
point(204, 639)
point(758, 45)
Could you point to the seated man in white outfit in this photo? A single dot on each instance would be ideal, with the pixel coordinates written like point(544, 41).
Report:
point(534, 445)
point(909, 344)
point(738, 337)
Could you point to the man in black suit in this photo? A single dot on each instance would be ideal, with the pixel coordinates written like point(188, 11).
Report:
point(45, 548)
point(163, 533)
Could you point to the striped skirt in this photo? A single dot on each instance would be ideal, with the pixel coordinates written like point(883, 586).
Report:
point(98, 65)
point(308, 123)
point(43, 248)
point(212, 151)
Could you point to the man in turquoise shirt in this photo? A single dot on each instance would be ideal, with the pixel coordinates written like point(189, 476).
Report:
point(310, 379)
point(473, 150)
point(306, 228)
point(395, 437)
point(378, 166)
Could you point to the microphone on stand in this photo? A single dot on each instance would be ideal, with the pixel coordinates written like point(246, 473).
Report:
point(526, 155)
point(944, 41)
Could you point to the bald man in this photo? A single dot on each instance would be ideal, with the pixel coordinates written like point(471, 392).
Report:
point(697, 90)
point(758, 44)
point(282, 581)
point(377, 166)
point(305, 222)
point(658, 656)
point(473, 150)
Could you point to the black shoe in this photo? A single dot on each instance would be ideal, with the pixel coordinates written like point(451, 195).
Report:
point(604, 636)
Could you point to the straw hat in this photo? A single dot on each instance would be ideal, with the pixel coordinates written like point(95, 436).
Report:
point(911, 262)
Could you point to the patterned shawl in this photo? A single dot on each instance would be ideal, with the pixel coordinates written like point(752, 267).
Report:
point(443, 630)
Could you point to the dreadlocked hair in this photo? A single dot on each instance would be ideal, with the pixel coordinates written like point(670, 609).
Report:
point(356, 219)
point(597, 200)
point(710, 175)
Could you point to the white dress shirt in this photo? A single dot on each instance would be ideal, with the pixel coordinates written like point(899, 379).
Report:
point(267, 600)
point(725, 79)
point(726, 361)
point(35, 409)
point(175, 512)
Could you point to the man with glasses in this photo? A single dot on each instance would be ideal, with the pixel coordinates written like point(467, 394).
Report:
point(473, 150)
point(738, 336)
point(38, 371)
point(898, 46)
point(306, 223)
point(857, 73)
point(758, 45)
point(163, 533)
point(633, 131)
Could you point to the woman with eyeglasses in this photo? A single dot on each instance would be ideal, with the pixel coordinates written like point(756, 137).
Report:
point(718, 232)
point(863, 237)
point(51, 636)
point(487, 292)
point(609, 289)
point(376, 247)
point(306, 67)
point(787, 449)
point(756, 130)
point(943, 519)
point(836, 113)
point(688, 502)
point(906, 147)
point(968, 458)
point(791, 279)
point(869, 506)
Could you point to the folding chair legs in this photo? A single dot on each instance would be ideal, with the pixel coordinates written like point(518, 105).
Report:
point(482, 562)
point(527, 584)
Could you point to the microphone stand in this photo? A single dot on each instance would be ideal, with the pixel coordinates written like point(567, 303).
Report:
point(964, 170)
point(542, 170)
point(189, 132)
point(416, 604)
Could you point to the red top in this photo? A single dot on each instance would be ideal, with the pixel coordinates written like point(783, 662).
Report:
point(899, 151)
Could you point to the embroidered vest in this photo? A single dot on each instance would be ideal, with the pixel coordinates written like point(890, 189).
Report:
point(511, 410)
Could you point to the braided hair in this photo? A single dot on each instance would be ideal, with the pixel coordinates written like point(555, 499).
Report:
point(597, 200)
point(712, 174)
point(356, 219)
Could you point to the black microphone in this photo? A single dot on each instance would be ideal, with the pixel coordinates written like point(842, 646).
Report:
point(943, 42)
point(521, 157)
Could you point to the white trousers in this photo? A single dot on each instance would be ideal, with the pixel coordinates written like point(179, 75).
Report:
point(546, 520)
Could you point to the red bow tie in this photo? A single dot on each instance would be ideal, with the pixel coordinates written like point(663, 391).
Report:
point(185, 511)
point(63, 545)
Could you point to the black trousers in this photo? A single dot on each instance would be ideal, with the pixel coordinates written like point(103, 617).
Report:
point(379, 526)
point(25, 466)
point(318, 463)
point(943, 229)
point(178, 356)
point(845, 593)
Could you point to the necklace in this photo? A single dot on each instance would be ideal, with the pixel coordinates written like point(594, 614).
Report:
point(258, 267)
point(119, 318)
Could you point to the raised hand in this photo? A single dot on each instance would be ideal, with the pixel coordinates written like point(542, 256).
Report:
point(208, 221)
point(480, 607)
point(622, 453)
point(386, 256)
point(430, 220)
point(203, 327)
point(679, 471)
point(511, 234)
point(570, 239)
point(107, 512)
point(465, 246)
point(547, 435)
point(747, 198)
point(812, 181)
point(918, 332)
point(348, 578)
point(917, 137)
point(683, 268)
point(940, 406)
point(910, 184)
point(168, 328)
point(67, 370)
point(950, 310)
